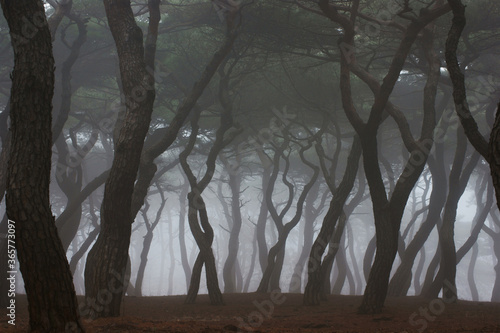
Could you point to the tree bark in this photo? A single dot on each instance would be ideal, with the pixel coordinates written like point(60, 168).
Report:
point(107, 260)
point(42, 260)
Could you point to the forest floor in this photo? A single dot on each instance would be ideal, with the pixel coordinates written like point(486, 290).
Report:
point(284, 313)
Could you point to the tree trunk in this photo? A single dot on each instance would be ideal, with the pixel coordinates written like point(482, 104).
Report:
point(107, 260)
point(148, 238)
point(182, 232)
point(42, 260)
point(308, 234)
point(495, 293)
point(262, 221)
point(470, 273)
point(401, 281)
point(494, 153)
point(315, 281)
point(229, 270)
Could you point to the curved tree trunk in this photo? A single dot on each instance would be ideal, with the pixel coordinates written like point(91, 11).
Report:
point(262, 221)
point(315, 278)
point(42, 260)
point(107, 260)
point(401, 281)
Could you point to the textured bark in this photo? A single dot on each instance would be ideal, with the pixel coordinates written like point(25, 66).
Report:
point(42, 260)
point(494, 154)
point(107, 260)
point(4, 154)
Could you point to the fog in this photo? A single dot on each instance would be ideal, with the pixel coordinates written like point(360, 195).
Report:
point(230, 147)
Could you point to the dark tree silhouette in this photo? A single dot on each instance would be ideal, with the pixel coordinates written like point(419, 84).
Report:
point(42, 260)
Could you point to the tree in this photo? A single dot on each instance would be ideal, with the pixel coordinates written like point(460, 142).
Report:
point(41, 255)
point(387, 211)
point(197, 212)
point(107, 260)
point(489, 150)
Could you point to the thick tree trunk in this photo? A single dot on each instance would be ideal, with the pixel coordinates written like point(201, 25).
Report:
point(106, 262)
point(494, 153)
point(495, 293)
point(42, 260)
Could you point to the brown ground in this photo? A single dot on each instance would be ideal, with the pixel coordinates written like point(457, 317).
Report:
point(170, 314)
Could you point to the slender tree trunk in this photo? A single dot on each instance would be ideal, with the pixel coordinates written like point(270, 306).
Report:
point(229, 270)
point(308, 234)
point(401, 281)
point(470, 273)
point(315, 280)
point(182, 232)
point(262, 221)
point(252, 264)
point(42, 260)
point(148, 238)
point(418, 272)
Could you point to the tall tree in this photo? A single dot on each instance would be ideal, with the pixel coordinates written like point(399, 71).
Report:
point(42, 260)
point(387, 211)
point(490, 150)
point(107, 260)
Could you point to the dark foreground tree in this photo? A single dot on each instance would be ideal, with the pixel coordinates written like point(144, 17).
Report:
point(107, 260)
point(489, 150)
point(52, 307)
